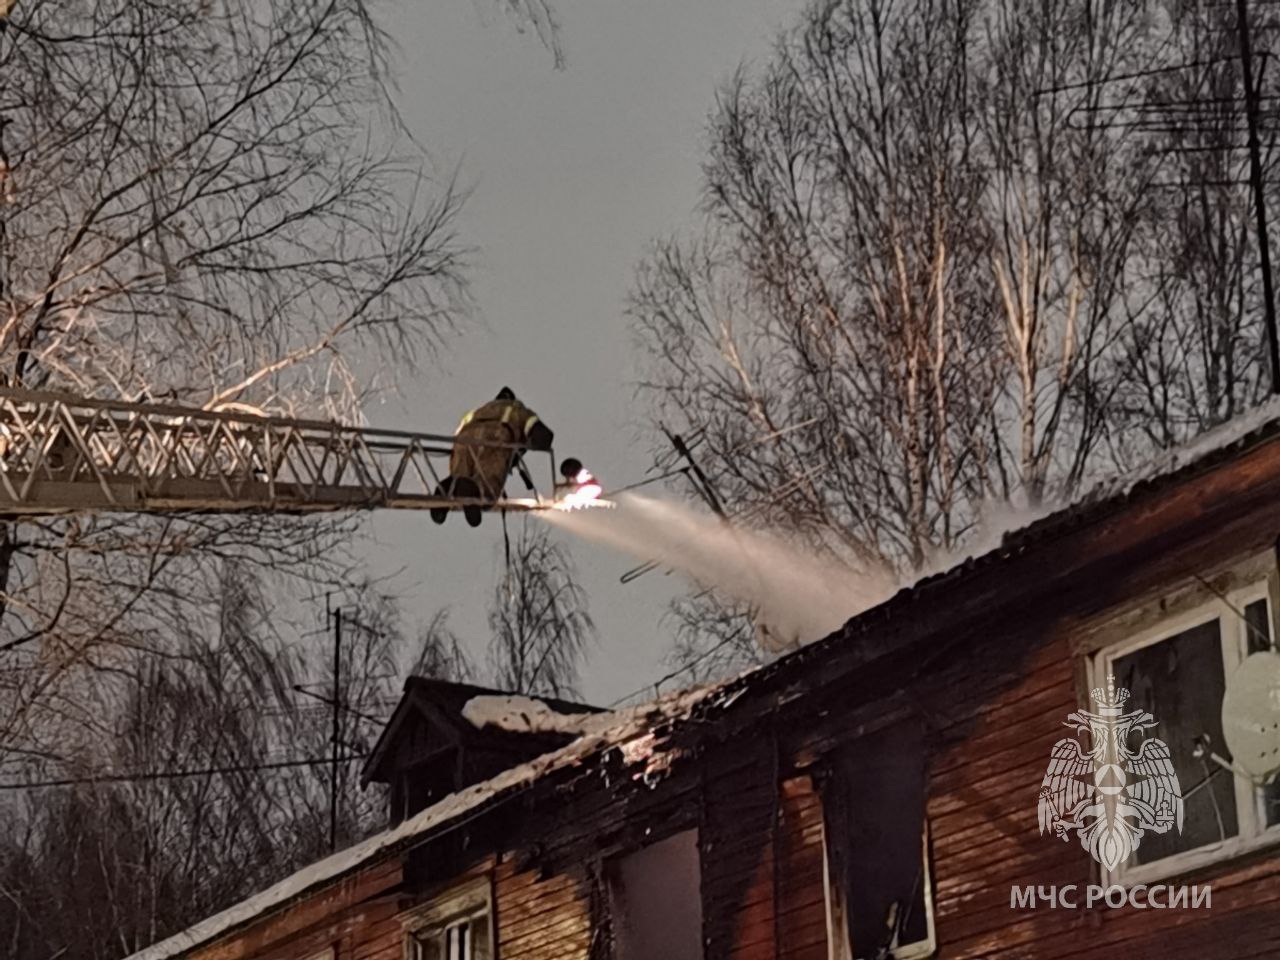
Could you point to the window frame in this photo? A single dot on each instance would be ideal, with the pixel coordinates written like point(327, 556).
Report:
point(833, 893)
point(1226, 606)
point(464, 902)
point(838, 946)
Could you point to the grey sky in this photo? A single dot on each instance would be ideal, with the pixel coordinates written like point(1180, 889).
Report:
point(574, 172)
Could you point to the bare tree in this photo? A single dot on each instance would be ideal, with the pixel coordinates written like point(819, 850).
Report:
point(1066, 211)
point(197, 207)
point(209, 779)
point(211, 203)
point(539, 624)
point(1197, 358)
point(831, 333)
point(541, 16)
point(440, 654)
point(712, 638)
point(957, 254)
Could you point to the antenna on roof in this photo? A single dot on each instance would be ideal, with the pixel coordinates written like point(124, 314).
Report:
point(702, 486)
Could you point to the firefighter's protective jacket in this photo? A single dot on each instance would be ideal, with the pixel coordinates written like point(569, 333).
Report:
point(492, 435)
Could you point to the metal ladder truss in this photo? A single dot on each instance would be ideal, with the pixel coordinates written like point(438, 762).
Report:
point(61, 454)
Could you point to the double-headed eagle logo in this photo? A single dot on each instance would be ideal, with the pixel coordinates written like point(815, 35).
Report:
point(1108, 793)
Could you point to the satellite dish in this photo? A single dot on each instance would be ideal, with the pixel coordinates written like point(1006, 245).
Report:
point(1251, 715)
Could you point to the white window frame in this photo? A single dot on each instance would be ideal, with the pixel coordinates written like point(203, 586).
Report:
point(1227, 607)
point(838, 946)
point(464, 902)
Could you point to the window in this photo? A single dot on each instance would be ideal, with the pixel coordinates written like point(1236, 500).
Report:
point(880, 898)
point(466, 939)
point(455, 926)
point(1177, 672)
point(655, 900)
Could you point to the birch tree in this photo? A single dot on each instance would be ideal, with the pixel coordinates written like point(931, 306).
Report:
point(539, 623)
point(215, 204)
point(830, 334)
point(195, 779)
point(958, 257)
point(206, 203)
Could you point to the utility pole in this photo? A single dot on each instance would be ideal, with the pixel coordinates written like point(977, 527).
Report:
point(6, 174)
point(1255, 181)
point(337, 702)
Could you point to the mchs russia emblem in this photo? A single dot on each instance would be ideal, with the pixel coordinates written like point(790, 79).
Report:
point(1104, 791)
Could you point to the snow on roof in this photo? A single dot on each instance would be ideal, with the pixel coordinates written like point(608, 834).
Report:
point(1184, 455)
point(628, 729)
point(1011, 524)
point(516, 714)
point(1002, 539)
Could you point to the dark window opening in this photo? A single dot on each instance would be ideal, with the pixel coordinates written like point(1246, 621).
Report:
point(424, 783)
point(874, 810)
point(655, 900)
point(1258, 623)
point(1180, 681)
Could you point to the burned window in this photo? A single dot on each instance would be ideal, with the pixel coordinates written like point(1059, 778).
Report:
point(655, 900)
point(873, 798)
point(1177, 672)
point(455, 926)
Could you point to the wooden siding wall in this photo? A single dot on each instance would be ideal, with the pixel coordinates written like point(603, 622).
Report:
point(984, 789)
point(357, 917)
point(802, 910)
point(762, 862)
point(995, 700)
point(541, 919)
point(983, 795)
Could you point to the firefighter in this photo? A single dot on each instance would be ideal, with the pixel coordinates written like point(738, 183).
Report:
point(497, 433)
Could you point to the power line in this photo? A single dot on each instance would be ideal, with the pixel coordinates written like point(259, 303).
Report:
point(1134, 75)
point(177, 774)
point(329, 701)
point(685, 668)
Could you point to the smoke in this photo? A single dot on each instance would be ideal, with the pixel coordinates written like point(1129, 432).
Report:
point(797, 595)
point(996, 519)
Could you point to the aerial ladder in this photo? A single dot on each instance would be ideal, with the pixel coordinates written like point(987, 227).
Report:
point(62, 454)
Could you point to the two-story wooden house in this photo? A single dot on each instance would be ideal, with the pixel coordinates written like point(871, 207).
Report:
point(878, 793)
